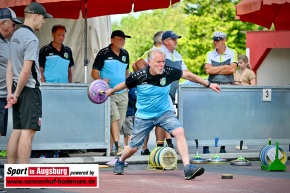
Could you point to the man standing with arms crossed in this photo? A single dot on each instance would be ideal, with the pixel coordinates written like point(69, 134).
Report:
point(220, 65)
point(23, 82)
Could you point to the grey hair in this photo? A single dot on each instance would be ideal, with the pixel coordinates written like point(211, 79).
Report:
point(158, 37)
point(155, 50)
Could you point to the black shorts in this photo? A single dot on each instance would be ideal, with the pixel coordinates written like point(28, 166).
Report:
point(27, 112)
point(3, 117)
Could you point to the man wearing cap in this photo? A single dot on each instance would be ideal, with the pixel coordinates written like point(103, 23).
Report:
point(173, 59)
point(23, 82)
point(8, 21)
point(111, 65)
point(220, 65)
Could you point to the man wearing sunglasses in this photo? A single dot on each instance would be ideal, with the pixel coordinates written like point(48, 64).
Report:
point(220, 65)
point(221, 62)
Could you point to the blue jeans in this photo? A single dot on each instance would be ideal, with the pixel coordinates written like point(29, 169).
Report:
point(142, 127)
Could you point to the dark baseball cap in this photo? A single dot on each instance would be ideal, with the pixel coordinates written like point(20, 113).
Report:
point(119, 33)
point(219, 36)
point(36, 8)
point(170, 34)
point(7, 13)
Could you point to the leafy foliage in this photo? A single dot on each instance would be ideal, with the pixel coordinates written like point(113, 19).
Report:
point(195, 21)
point(143, 28)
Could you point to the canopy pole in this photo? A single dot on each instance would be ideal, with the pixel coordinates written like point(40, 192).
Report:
point(86, 44)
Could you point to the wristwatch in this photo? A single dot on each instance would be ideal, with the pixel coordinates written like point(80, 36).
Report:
point(208, 85)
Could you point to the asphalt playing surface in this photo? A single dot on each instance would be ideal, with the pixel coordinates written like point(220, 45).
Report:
point(139, 179)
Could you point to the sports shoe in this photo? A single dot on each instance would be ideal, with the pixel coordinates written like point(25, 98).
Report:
point(119, 168)
point(113, 162)
point(190, 171)
point(145, 152)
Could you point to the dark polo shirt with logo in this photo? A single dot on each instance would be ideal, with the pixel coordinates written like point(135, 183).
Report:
point(111, 66)
point(55, 63)
point(153, 91)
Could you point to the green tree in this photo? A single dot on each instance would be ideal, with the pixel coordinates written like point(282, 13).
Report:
point(204, 18)
point(195, 21)
point(143, 27)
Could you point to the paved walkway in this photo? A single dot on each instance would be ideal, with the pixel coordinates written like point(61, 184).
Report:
point(138, 179)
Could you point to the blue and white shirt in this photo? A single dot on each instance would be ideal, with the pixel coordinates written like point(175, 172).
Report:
point(216, 59)
point(111, 66)
point(153, 91)
point(55, 63)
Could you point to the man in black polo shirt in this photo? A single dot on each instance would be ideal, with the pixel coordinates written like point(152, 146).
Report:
point(55, 59)
point(111, 65)
point(154, 109)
